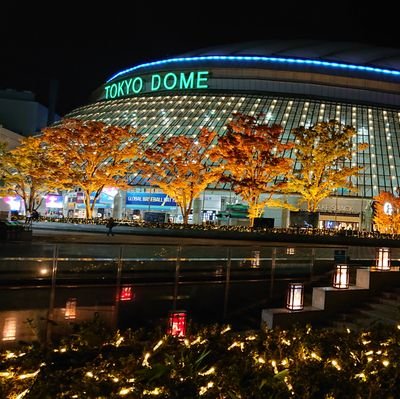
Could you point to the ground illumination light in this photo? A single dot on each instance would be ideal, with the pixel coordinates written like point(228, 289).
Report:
point(126, 293)
point(341, 277)
point(255, 261)
point(295, 295)
point(177, 323)
point(70, 309)
point(383, 258)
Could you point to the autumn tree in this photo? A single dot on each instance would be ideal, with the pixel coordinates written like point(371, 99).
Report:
point(95, 155)
point(29, 172)
point(3, 148)
point(181, 167)
point(387, 213)
point(324, 154)
point(253, 157)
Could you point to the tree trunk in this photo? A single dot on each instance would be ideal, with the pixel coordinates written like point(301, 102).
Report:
point(31, 205)
point(185, 215)
point(26, 205)
point(254, 209)
point(311, 206)
point(37, 203)
point(96, 197)
point(185, 210)
point(87, 206)
point(92, 207)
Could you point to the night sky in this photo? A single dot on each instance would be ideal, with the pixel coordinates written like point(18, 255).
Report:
point(80, 50)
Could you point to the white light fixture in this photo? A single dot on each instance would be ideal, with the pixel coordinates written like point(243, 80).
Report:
point(255, 260)
point(383, 258)
point(295, 295)
point(290, 251)
point(341, 277)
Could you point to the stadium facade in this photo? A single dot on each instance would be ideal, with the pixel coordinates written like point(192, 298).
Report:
point(291, 83)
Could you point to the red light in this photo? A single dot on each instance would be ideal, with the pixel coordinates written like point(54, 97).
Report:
point(177, 324)
point(126, 294)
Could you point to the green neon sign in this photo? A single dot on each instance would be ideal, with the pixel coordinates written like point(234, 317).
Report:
point(157, 82)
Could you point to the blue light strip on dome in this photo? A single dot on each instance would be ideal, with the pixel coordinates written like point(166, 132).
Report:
point(247, 58)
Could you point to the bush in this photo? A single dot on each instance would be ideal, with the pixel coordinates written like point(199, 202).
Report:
point(213, 362)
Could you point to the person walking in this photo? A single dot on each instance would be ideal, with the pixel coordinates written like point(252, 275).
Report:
point(110, 224)
point(35, 215)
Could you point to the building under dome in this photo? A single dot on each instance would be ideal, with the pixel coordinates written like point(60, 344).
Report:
point(291, 83)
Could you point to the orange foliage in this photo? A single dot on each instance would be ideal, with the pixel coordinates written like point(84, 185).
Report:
point(3, 151)
point(387, 213)
point(95, 155)
point(324, 153)
point(30, 172)
point(253, 157)
point(180, 166)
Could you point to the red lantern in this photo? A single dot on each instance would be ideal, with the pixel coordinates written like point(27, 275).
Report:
point(177, 323)
point(126, 294)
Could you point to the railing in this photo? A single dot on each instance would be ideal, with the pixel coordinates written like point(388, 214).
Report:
point(54, 285)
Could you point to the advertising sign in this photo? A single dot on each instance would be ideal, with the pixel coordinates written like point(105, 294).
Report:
point(146, 199)
point(54, 201)
point(13, 202)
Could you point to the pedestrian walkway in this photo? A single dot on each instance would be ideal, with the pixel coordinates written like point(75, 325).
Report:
point(90, 233)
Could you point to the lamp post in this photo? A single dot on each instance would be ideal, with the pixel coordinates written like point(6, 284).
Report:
point(295, 296)
point(341, 277)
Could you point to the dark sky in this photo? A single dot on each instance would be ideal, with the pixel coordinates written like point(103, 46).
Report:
point(81, 49)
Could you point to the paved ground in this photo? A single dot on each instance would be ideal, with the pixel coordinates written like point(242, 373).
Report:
point(60, 232)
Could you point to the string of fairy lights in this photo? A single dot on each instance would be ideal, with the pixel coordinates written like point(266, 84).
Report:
point(211, 364)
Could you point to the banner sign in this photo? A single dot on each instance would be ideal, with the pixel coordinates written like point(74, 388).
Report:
point(149, 199)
